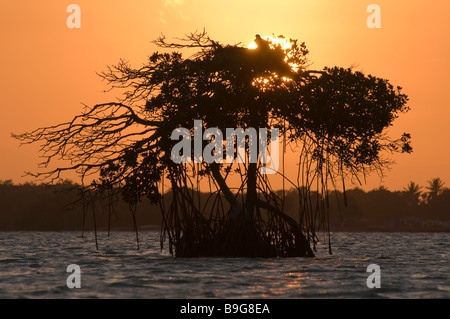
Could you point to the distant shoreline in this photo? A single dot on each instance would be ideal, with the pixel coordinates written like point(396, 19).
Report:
point(158, 228)
point(32, 207)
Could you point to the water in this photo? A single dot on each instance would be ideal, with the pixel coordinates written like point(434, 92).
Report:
point(33, 265)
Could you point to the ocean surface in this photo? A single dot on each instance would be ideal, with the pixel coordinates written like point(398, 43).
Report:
point(34, 265)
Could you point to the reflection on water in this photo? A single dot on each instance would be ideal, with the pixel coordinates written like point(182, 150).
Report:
point(33, 265)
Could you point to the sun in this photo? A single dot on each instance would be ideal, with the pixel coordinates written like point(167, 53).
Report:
point(274, 41)
point(280, 41)
point(286, 46)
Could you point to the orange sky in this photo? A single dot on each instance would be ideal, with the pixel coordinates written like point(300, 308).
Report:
point(48, 70)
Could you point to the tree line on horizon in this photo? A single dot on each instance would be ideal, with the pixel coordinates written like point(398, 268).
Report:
point(39, 207)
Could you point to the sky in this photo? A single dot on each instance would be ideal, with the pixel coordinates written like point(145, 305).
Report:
point(48, 70)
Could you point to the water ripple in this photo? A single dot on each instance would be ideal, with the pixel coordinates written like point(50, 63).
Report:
point(33, 265)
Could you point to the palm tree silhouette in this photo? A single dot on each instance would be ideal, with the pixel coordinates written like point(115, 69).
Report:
point(412, 193)
point(435, 188)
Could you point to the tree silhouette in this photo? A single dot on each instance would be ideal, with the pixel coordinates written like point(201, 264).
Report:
point(412, 192)
point(335, 117)
point(435, 188)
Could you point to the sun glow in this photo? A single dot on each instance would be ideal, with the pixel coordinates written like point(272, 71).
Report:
point(286, 46)
point(278, 41)
point(274, 41)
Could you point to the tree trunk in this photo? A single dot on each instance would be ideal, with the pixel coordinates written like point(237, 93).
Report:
point(251, 192)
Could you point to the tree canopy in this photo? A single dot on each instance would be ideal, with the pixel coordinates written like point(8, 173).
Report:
point(336, 117)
